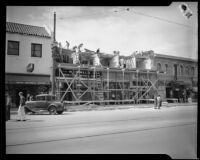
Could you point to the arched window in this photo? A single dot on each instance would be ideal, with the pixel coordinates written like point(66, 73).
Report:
point(187, 70)
point(182, 70)
point(166, 68)
point(192, 70)
point(159, 68)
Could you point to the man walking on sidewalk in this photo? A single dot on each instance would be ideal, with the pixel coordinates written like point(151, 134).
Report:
point(8, 105)
point(155, 102)
point(159, 102)
point(21, 111)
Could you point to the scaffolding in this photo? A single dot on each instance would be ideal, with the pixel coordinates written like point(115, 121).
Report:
point(85, 84)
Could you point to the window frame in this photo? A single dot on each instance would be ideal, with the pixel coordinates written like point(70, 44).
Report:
point(33, 51)
point(166, 68)
point(192, 71)
point(159, 67)
point(13, 48)
point(182, 70)
point(187, 70)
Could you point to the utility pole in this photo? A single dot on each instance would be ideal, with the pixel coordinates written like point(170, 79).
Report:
point(53, 56)
point(54, 28)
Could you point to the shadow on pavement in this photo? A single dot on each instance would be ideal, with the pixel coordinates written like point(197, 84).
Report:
point(46, 113)
point(27, 120)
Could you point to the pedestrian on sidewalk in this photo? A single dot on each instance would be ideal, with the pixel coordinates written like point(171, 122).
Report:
point(8, 106)
point(21, 111)
point(155, 102)
point(159, 102)
point(28, 97)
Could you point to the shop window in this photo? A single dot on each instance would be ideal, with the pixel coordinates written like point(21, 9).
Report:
point(13, 48)
point(36, 50)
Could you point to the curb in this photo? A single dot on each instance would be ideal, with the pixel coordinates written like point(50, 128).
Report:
point(114, 107)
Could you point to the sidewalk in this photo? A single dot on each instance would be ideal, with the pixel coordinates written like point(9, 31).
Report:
point(125, 106)
point(93, 107)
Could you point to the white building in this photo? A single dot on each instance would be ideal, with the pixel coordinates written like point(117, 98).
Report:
point(28, 60)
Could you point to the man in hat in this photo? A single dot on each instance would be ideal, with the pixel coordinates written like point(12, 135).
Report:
point(159, 102)
point(21, 112)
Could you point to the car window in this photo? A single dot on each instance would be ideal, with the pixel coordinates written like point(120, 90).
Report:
point(40, 98)
point(53, 98)
point(48, 98)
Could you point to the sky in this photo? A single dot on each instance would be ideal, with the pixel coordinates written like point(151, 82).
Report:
point(163, 29)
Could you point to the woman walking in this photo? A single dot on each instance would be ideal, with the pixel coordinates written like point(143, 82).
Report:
point(21, 112)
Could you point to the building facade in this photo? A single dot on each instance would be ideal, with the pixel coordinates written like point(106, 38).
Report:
point(181, 76)
point(122, 79)
point(89, 76)
point(27, 60)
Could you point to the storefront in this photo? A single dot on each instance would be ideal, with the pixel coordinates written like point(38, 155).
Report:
point(180, 90)
point(32, 84)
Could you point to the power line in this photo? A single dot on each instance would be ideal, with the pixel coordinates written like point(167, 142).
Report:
point(128, 9)
point(158, 18)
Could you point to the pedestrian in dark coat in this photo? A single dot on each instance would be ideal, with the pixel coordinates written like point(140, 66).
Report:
point(155, 102)
point(159, 102)
point(8, 105)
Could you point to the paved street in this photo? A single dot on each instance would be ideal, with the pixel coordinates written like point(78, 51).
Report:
point(171, 130)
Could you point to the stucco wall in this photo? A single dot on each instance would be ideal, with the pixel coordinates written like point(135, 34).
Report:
point(17, 64)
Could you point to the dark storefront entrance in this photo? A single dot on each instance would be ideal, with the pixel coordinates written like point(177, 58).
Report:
point(32, 84)
point(178, 90)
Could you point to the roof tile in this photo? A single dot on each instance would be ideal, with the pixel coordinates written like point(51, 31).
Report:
point(26, 29)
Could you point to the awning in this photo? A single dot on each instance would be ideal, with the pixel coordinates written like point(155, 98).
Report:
point(27, 79)
point(178, 84)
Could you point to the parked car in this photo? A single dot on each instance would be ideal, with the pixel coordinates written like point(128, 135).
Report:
point(45, 102)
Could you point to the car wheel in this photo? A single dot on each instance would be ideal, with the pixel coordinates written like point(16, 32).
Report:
point(59, 112)
point(27, 111)
point(52, 110)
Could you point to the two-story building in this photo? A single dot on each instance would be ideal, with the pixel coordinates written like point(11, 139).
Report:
point(181, 75)
point(28, 60)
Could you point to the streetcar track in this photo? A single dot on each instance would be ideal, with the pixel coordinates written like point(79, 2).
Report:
point(102, 134)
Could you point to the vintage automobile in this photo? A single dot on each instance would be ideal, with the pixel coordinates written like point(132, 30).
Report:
point(44, 102)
